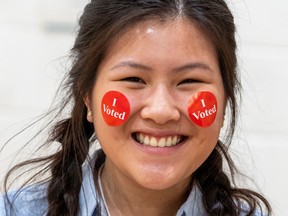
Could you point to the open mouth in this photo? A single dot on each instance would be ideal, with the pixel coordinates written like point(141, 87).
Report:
point(161, 142)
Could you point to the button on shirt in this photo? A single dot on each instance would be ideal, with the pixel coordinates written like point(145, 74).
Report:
point(32, 201)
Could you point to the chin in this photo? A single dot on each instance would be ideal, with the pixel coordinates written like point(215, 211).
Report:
point(159, 182)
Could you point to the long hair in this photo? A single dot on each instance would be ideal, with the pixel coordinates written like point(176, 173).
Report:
point(102, 22)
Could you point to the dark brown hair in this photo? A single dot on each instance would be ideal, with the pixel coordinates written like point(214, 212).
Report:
point(102, 22)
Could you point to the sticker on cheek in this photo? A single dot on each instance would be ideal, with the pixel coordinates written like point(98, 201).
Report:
point(115, 108)
point(202, 108)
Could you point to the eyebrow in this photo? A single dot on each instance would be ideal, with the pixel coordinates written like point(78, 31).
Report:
point(132, 65)
point(186, 67)
point(193, 66)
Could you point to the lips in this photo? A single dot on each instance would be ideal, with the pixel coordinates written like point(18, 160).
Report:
point(161, 142)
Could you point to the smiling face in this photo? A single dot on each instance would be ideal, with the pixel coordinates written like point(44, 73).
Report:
point(158, 67)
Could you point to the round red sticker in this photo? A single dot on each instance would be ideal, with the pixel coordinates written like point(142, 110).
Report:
point(115, 108)
point(202, 108)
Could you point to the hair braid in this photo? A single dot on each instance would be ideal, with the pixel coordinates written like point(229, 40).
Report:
point(66, 179)
point(215, 185)
point(219, 196)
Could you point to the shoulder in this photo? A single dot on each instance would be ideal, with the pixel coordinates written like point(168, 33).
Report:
point(256, 213)
point(245, 211)
point(194, 206)
point(30, 200)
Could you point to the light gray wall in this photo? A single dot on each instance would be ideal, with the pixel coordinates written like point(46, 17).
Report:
point(36, 33)
point(263, 55)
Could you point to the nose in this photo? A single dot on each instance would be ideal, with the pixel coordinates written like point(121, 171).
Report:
point(161, 107)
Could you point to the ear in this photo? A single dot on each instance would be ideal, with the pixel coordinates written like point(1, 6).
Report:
point(88, 103)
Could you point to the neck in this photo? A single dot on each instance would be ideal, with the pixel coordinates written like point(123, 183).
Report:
point(125, 197)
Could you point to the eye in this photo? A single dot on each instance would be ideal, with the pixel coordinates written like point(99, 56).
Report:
point(133, 80)
point(189, 81)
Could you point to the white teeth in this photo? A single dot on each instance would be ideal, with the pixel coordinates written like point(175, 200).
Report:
point(162, 142)
point(169, 141)
point(141, 138)
point(153, 142)
point(146, 140)
point(174, 141)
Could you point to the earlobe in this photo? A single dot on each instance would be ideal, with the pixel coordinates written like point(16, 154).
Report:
point(89, 116)
point(87, 102)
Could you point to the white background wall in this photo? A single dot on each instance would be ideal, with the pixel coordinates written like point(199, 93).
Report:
point(36, 33)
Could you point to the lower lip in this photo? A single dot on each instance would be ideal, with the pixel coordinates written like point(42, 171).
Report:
point(159, 150)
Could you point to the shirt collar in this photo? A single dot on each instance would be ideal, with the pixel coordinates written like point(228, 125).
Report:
point(89, 198)
point(193, 205)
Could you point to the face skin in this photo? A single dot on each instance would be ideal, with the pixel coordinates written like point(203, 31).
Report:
point(158, 67)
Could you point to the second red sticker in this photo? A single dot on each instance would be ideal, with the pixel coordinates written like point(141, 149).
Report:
point(202, 108)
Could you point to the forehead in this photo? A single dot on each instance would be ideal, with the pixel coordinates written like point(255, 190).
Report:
point(161, 45)
point(171, 31)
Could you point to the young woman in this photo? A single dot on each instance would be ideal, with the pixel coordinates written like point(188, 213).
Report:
point(151, 81)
